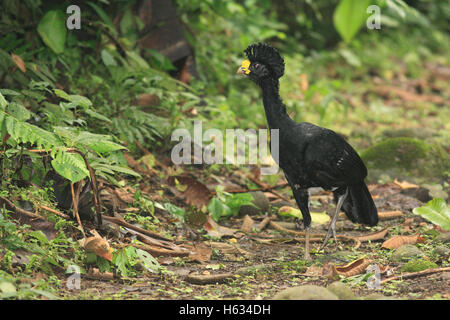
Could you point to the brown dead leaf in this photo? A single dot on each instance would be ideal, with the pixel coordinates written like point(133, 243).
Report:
point(398, 241)
point(213, 229)
point(232, 251)
point(19, 62)
point(99, 246)
point(314, 271)
point(405, 184)
point(199, 252)
point(351, 269)
point(196, 193)
point(247, 224)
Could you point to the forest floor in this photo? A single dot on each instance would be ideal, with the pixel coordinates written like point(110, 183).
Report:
point(240, 258)
point(258, 254)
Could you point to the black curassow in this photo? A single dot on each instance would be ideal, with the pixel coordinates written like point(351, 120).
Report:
point(310, 156)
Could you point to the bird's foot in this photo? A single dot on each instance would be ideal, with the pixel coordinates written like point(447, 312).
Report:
point(331, 232)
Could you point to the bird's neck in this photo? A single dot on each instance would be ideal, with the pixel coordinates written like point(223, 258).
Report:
point(275, 109)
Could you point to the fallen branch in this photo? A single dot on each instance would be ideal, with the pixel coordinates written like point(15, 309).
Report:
point(269, 189)
point(315, 237)
point(48, 209)
point(75, 205)
point(383, 215)
point(210, 278)
point(374, 236)
point(161, 252)
point(91, 173)
point(13, 207)
point(123, 223)
point(416, 274)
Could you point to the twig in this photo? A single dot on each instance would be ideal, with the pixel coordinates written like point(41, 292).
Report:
point(416, 274)
point(210, 278)
point(264, 222)
point(18, 210)
point(91, 173)
point(123, 223)
point(158, 252)
point(269, 189)
point(316, 235)
point(62, 215)
point(75, 208)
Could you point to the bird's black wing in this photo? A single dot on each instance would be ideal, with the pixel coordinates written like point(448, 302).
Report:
point(330, 161)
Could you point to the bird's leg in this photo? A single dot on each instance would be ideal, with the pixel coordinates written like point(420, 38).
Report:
point(332, 228)
point(307, 256)
point(302, 198)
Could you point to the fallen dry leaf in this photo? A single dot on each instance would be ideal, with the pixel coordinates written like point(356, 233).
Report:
point(247, 224)
point(232, 252)
point(349, 270)
point(215, 230)
point(19, 62)
point(398, 241)
point(196, 193)
point(200, 252)
point(405, 184)
point(99, 246)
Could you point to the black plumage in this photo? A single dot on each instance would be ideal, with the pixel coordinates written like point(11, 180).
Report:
point(310, 156)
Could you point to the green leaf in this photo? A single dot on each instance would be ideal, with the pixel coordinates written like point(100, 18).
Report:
point(18, 111)
point(3, 102)
point(98, 142)
point(437, 211)
point(71, 166)
point(236, 201)
point(107, 58)
point(103, 15)
point(349, 16)
point(38, 234)
point(61, 94)
point(52, 29)
point(218, 209)
point(175, 210)
point(97, 115)
point(149, 262)
point(7, 289)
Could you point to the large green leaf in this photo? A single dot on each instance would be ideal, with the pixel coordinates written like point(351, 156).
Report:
point(437, 211)
point(218, 209)
point(18, 111)
point(71, 166)
point(3, 102)
point(52, 29)
point(349, 16)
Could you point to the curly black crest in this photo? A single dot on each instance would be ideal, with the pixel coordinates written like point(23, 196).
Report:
point(268, 56)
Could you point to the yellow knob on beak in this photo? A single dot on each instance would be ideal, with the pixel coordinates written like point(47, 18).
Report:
point(244, 68)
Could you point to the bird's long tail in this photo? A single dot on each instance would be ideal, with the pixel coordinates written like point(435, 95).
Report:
point(359, 206)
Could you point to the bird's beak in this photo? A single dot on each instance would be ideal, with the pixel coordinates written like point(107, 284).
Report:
point(244, 68)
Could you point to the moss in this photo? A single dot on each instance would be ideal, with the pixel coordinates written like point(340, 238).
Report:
point(418, 265)
point(407, 156)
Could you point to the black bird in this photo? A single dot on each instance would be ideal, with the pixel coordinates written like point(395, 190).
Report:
point(310, 156)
